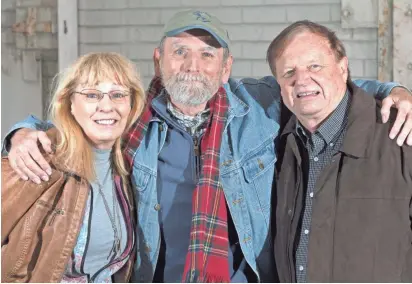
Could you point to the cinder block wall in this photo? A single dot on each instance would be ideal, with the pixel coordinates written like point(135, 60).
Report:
point(42, 43)
point(134, 28)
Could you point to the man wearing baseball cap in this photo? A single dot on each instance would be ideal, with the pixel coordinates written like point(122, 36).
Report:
point(214, 218)
point(189, 20)
point(202, 157)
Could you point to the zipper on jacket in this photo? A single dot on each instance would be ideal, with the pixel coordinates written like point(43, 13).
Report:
point(55, 212)
point(290, 259)
point(197, 157)
point(79, 181)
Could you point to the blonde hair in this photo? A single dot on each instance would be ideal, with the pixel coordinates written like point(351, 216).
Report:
point(73, 148)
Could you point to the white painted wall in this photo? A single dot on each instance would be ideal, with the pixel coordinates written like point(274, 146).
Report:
point(134, 27)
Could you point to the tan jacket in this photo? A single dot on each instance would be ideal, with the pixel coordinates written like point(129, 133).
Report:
point(40, 225)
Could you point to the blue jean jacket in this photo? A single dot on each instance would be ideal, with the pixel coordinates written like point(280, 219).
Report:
point(248, 157)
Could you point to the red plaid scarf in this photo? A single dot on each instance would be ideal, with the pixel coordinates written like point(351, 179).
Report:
point(207, 257)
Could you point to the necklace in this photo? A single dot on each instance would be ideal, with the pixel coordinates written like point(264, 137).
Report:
point(117, 234)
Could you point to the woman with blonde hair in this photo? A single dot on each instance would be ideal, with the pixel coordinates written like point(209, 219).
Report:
point(79, 226)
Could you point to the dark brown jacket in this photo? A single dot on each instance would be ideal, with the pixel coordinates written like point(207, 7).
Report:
point(40, 224)
point(361, 219)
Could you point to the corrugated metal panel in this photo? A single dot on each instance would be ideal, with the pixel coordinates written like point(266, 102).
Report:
point(359, 13)
point(402, 42)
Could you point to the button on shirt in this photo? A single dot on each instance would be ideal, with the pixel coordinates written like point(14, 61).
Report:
point(176, 181)
point(320, 146)
point(175, 199)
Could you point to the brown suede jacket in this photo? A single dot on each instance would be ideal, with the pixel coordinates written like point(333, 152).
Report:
point(40, 224)
point(362, 204)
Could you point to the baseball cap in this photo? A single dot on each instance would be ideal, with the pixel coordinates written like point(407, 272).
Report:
point(195, 19)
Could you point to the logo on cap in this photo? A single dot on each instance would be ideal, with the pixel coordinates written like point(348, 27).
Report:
point(202, 16)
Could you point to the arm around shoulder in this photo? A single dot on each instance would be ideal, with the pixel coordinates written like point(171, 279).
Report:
point(31, 122)
point(379, 90)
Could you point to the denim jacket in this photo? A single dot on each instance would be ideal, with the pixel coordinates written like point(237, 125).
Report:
point(248, 157)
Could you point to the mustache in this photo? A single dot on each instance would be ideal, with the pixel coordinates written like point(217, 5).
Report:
point(186, 77)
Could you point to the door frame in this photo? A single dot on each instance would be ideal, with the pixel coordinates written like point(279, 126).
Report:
point(67, 17)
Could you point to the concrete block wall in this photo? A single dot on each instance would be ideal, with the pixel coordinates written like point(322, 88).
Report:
point(40, 45)
point(8, 18)
point(134, 28)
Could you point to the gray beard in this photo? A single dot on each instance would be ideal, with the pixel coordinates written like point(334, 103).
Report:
point(189, 89)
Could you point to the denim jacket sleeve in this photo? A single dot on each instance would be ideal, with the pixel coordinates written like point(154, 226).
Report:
point(266, 90)
point(378, 89)
point(31, 122)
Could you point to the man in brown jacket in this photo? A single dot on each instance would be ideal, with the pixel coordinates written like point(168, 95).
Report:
point(343, 203)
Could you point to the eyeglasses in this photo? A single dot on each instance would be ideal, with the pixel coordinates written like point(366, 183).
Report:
point(94, 96)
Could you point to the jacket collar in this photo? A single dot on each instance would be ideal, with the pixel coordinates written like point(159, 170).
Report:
point(362, 117)
point(237, 107)
point(290, 126)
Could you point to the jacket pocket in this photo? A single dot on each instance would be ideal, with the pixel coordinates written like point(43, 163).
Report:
point(54, 212)
point(259, 162)
point(23, 241)
point(140, 178)
point(258, 171)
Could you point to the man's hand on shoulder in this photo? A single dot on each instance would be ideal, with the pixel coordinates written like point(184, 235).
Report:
point(25, 157)
point(401, 99)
